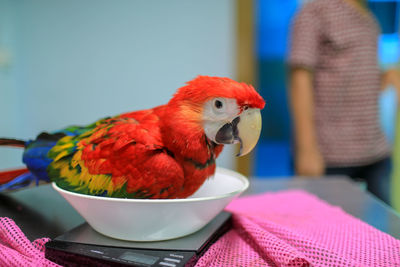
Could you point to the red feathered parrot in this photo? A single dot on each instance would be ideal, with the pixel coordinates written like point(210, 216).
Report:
point(164, 152)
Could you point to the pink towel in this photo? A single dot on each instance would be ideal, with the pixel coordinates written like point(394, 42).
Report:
point(289, 228)
point(17, 250)
point(295, 228)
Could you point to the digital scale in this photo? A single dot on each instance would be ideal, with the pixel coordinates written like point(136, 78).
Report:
point(83, 246)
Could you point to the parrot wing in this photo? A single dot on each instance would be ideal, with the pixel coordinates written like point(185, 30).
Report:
point(36, 151)
point(122, 156)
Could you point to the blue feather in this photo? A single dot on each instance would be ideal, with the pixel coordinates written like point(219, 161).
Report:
point(19, 182)
point(36, 159)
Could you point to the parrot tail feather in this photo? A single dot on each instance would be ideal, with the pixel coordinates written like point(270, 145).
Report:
point(16, 179)
point(8, 175)
point(12, 142)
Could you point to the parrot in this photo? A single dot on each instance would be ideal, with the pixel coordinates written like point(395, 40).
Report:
point(165, 152)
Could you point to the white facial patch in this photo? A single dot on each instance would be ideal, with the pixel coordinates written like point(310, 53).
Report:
point(217, 112)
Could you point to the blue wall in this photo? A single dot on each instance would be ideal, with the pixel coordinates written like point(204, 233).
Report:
point(273, 154)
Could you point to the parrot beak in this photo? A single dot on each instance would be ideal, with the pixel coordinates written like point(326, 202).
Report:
point(244, 129)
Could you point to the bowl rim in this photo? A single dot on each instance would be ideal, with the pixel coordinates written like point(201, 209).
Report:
point(237, 175)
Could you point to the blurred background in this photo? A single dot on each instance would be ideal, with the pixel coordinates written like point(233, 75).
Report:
point(273, 18)
point(73, 62)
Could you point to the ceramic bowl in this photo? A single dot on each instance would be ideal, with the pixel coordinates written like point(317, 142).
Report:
point(158, 219)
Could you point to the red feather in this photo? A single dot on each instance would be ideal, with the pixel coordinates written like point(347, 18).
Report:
point(6, 176)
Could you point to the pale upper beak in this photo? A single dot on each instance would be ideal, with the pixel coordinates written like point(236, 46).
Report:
point(244, 129)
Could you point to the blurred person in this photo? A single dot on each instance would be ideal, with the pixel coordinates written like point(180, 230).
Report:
point(335, 83)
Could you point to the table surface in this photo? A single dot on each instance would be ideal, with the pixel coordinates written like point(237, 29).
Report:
point(42, 212)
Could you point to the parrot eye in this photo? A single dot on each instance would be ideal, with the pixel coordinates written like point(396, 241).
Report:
point(220, 108)
point(218, 104)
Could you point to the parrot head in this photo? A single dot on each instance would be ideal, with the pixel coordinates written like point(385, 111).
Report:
point(226, 111)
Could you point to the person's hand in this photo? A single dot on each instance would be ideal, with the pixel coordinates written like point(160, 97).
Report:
point(392, 77)
point(309, 163)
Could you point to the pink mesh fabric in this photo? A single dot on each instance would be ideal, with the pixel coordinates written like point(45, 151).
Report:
point(17, 250)
point(295, 228)
point(289, 228)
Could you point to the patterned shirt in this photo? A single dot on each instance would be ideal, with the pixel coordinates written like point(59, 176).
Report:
point(339, 44)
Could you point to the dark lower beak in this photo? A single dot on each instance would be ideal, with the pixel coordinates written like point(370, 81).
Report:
point(229, 133)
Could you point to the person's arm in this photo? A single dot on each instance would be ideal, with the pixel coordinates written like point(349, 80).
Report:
point(392, 77)
point(308, 158)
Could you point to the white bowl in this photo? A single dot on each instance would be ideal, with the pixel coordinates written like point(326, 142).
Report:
point(158, 219)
